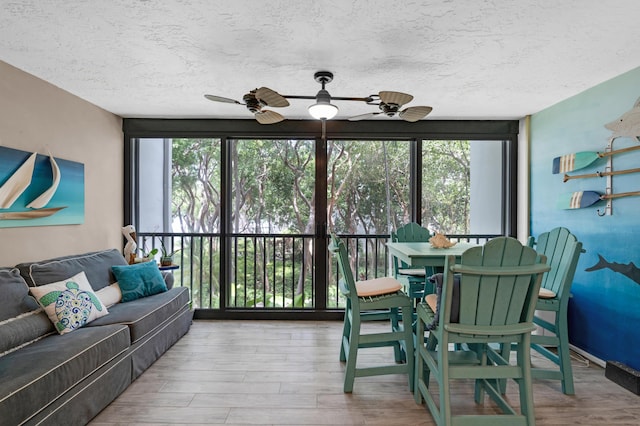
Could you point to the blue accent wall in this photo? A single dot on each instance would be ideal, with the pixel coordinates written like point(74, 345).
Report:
point(604, 313)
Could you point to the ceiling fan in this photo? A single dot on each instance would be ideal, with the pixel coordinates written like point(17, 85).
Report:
point(389, 103)
point(255, 100)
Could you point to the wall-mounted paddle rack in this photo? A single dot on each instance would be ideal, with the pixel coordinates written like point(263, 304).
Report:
point(610, 173)
point(579, 160)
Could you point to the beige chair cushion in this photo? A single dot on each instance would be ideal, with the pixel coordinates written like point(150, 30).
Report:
point(377, 286)
point(432, 301)
point(546, 294)
point(417, 271)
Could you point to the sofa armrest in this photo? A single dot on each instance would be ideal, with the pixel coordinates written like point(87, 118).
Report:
point(168, 278)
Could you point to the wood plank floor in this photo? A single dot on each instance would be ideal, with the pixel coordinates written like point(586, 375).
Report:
point(288, 373)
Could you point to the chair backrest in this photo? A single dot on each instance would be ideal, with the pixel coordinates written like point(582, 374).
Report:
point(499, 285)
point(562, 249)
point(347, 282)
point(409, 233)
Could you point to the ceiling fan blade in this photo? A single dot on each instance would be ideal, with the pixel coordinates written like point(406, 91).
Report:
point(363, 116)
point(415, 113)
point(271, 98)
point(221, 99)
point(268, 117)
point(396, 98)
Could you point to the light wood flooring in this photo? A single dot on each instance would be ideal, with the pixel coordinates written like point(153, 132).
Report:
point(288, 373)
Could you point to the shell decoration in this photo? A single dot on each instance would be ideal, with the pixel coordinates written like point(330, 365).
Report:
point(440, 241)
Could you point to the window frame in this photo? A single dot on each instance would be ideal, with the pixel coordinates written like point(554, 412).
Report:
point(416, 133)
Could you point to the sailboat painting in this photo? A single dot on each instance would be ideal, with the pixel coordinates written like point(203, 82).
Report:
point(39, 190)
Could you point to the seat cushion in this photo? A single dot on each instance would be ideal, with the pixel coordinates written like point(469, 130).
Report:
point(432, 301)
point(377, 286)
point(437, 280)
point(546, 293)
point(143, 315)
point(38, 373)
point(419, 272)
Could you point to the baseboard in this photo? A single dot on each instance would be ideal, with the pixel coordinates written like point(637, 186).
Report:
point(623, 375)
point(588, 356)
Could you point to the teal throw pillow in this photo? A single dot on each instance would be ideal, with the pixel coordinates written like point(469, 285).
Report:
point(139, 280)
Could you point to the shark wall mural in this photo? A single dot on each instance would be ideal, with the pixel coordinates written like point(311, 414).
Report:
point(627, 125)
point(629, 270)
point(605, 119)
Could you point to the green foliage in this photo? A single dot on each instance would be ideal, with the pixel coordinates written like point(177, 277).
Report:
point(195, 175)
point(446, 186)
point(272, 186)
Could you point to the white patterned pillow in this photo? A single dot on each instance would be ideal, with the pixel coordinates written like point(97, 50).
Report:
point(110, 294)
point(70, 303)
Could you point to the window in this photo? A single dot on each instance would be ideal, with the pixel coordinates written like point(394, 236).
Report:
point(462, 186)
point(245, 214)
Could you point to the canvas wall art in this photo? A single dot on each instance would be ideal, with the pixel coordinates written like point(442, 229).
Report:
point(39, 189)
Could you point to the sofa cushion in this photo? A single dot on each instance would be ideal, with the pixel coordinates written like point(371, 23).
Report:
point(22, 321)
point(139, 280)
point(39, 373)
point(142, 316)
point(96, 265)
point(70, 303)
point(110, 294)
point(15, 298)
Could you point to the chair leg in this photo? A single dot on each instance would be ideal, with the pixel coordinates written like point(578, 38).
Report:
point(418, 362)
point(346, 331)
point(505, 352)
point(481, 353)
point(398, 353)
point(352, 354)
point(526, 382)
point(564, 355)
point(443, 383)
point(409, 348)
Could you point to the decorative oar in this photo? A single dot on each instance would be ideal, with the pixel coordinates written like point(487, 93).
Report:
point(600, 174)
point(582, 199)
point(579, 160)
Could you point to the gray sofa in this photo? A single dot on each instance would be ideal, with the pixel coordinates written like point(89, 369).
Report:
point(49, 378)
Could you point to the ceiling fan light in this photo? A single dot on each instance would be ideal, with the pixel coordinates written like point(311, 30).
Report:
point(323, 109)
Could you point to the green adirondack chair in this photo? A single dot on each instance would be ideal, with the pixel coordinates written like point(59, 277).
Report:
point(373, 300)
point(562, 250)
point(415, 278)
point(497, 292)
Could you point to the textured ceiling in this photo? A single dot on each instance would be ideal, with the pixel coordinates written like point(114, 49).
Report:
point(475, 59)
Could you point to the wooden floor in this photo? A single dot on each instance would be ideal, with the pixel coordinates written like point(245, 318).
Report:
point(288, 373)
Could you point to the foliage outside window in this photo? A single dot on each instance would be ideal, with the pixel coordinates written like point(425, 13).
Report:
point(272, 210)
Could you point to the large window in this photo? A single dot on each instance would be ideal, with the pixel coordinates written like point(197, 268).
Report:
point(272, 203)
point(239, 201)
point(368, 186)
point(463, 186)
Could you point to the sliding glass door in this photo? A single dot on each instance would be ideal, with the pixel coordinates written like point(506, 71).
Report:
point(249, 216)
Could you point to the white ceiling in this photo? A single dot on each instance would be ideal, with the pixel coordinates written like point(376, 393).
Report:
point(474, 59)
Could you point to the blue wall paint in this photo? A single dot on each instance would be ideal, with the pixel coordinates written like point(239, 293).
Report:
point(604, 313)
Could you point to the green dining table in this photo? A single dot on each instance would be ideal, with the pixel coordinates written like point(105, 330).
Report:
point(420, 255)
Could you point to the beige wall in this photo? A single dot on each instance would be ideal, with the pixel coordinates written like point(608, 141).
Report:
point(37, 116)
